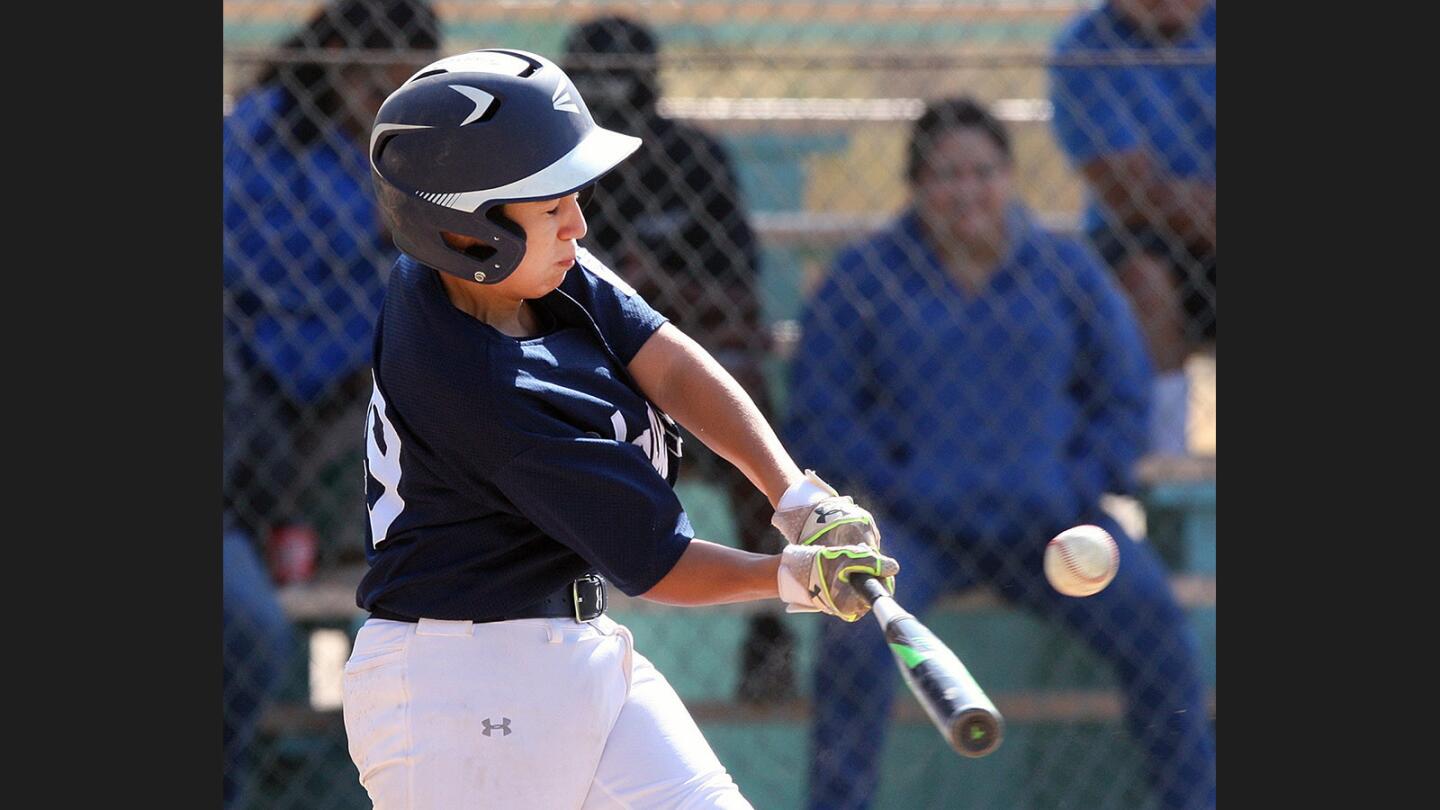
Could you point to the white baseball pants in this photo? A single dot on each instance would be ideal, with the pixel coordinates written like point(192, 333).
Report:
point(547, 714)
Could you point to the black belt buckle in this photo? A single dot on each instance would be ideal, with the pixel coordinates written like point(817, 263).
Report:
point(575, 598)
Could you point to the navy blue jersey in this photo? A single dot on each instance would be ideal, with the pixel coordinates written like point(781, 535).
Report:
point(498, 468)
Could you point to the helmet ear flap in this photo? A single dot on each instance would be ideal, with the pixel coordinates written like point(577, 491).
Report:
point(496, 214)
point(479, 252)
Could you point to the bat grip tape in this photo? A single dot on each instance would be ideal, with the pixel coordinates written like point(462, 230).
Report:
point(886, 609)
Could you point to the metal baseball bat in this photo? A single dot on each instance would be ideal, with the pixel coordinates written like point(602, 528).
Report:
point(955, 702)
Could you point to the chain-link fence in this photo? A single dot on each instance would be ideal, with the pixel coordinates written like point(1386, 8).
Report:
point(962, 254)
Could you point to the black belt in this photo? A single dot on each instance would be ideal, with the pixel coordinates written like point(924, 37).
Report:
point(581, 600)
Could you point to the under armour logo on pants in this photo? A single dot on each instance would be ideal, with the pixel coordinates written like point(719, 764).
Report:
point(504, 726)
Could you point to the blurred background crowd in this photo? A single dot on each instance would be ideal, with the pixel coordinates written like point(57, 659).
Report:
point(998, 214)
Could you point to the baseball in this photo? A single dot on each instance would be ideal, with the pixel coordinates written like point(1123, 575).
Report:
point(1081, 561)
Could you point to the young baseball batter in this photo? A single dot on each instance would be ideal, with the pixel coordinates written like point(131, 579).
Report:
point(520, 458)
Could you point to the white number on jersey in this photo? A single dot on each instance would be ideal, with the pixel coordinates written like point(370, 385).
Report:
point(383, 466)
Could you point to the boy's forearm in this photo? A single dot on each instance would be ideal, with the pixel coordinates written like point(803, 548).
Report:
point(690, 385)
point(713, 574)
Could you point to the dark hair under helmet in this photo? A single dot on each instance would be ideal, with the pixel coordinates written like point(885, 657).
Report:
point(471, 132)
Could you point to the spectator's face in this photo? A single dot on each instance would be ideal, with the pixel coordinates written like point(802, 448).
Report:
point(1169, 17)
point(616, 98)
point(364, 87)
point(607, 89)
point(963, 189)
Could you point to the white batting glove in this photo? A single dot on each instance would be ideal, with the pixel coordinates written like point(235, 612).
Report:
point(816, 578)
point(822, 516)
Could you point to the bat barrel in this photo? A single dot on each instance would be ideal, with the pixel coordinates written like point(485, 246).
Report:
point(975, 732)
point(956, 704)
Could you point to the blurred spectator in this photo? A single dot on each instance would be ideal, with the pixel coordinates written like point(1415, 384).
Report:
point(257, 637)
point(258, 642)
point(670, 221)
point(304, 250)
point(1133, 88)
point(980, 382)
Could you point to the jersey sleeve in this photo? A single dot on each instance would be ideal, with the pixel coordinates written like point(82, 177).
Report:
point(604, 501)
point(624, 317)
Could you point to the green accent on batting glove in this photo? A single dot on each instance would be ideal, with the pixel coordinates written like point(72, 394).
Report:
point(805, 541)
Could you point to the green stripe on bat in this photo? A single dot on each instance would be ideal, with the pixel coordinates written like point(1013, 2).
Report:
point(911, 656)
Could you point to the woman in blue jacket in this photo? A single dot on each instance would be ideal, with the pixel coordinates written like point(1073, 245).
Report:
point(982, 381)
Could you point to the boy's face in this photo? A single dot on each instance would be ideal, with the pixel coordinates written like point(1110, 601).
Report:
point(552, 229)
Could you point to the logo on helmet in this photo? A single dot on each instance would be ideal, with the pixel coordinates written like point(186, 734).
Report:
point(562, 100)
point(482, 100)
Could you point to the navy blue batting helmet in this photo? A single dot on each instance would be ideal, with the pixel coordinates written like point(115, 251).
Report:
point(471, 132)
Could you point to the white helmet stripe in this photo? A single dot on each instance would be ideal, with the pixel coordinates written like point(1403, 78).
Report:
point(590, 158)
point(381, 129)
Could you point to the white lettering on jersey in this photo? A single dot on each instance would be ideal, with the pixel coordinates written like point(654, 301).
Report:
point(659, 459)
point(383, 466)
point(594, 265)
point(646, 441)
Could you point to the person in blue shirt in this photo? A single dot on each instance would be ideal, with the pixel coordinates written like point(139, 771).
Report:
point(302, 261)
point(258, 639)
point(1132, 84)
point(304, 249)
point(520, 455)
point(980, 382)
